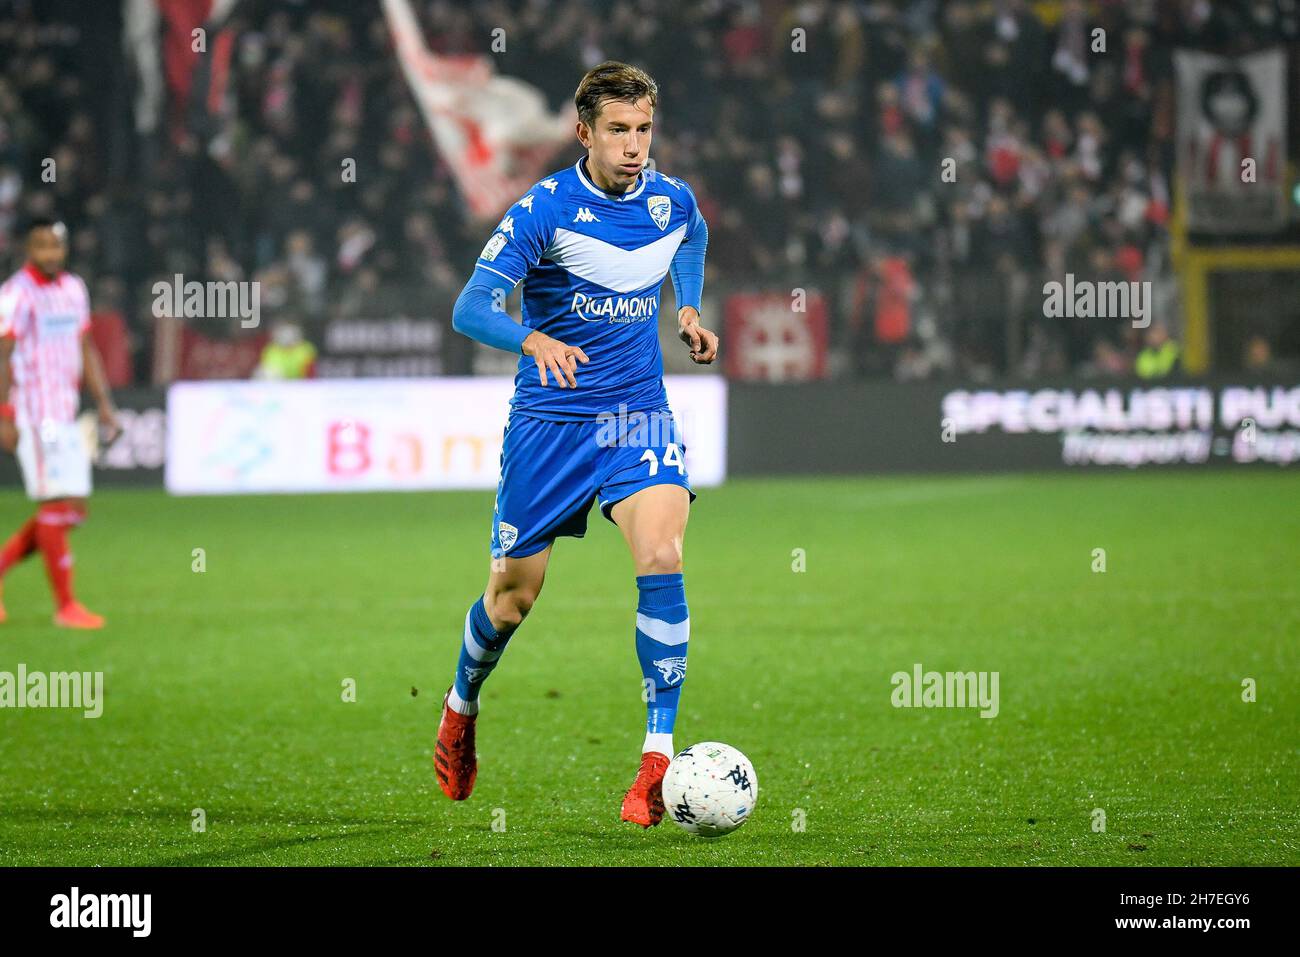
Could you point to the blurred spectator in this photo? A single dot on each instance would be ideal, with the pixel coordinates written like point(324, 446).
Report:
point(1159, 357)
point(287, 355)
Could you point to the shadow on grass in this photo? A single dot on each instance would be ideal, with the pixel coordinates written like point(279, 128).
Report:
point(233, 855)
point(244, 818)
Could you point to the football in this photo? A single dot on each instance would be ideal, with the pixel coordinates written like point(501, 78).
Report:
point(710, 789)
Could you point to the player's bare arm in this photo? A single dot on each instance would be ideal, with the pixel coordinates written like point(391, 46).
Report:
point(98, 384)
point(8, 428)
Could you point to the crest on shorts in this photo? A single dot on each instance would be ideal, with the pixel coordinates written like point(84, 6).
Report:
point(507, 534)
point(661, 208)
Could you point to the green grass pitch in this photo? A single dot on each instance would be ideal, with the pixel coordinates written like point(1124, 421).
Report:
point(1119, 690)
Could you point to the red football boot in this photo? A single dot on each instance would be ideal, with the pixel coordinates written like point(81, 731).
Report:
point(75, 615)
point(454, 759)
point(644, 802)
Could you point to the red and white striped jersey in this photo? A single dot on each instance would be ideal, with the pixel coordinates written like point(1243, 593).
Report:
point(46, 319)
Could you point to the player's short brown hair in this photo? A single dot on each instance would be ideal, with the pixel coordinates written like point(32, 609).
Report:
point(612, 80)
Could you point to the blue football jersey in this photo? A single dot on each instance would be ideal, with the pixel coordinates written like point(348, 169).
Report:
point(592, 264)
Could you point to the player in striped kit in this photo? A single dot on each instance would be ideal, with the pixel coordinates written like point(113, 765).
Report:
point(44, 349)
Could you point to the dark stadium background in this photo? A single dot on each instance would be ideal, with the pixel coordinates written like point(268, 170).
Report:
point(815, 171)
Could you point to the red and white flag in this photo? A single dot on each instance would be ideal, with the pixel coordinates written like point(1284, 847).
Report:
point(495, 132)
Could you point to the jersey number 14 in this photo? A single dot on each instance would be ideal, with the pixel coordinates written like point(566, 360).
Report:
point(672, 457)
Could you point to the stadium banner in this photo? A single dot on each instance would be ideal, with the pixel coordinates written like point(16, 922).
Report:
point(134, 458)
point(182, 352)
point(857, 427)
point(1231, 136)
point(772, 339)
point(397, 347)
point(495, 132)
point(334, 435)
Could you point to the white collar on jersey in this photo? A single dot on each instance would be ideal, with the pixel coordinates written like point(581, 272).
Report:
point(631, 194)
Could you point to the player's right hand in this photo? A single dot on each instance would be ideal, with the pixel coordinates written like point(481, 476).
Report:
point(8, 435)
point(552, 354)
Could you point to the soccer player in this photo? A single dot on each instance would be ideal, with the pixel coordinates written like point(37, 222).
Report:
point(44, 348)
point(592, 244)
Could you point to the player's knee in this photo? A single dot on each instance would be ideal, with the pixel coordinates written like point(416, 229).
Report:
point(508, 607)
point(660, 558)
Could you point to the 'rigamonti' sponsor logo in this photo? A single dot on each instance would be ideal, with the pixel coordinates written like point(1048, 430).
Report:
point(614, 308)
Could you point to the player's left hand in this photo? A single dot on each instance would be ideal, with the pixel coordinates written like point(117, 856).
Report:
point(108, 419)
point(703, 343)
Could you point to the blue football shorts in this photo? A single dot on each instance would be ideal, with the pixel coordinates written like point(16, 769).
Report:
point(552, 472)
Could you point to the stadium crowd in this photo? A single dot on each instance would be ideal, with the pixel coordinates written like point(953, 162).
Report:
point(817, 165)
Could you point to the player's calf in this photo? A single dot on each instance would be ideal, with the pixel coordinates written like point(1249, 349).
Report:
point(663, 631)
point(663, 628)
point(54, 519)
point(455, 759)
point(508, 607)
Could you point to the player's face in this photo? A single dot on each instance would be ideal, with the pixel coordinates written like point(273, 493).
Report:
point(47, 250)
point(618, 143)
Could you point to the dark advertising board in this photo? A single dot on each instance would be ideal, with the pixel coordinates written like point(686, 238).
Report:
point(846, 427)
point(135, 457)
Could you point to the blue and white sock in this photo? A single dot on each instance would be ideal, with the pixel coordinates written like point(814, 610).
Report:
point(663, 626)
point(479, 652)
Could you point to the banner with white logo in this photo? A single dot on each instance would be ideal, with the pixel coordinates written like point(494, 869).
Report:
point(772, 339)
point(494, 131)
point(380, 434)
point(1232, 141)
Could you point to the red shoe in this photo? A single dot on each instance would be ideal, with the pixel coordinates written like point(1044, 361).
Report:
point(644, 802)
point(454, 760)
point(4, 615)
point(75, 615)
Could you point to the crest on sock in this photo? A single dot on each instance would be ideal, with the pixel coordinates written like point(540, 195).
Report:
point(672, 669)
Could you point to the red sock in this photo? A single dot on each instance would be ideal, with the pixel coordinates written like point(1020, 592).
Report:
point(52, 539)
point(22, 544)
